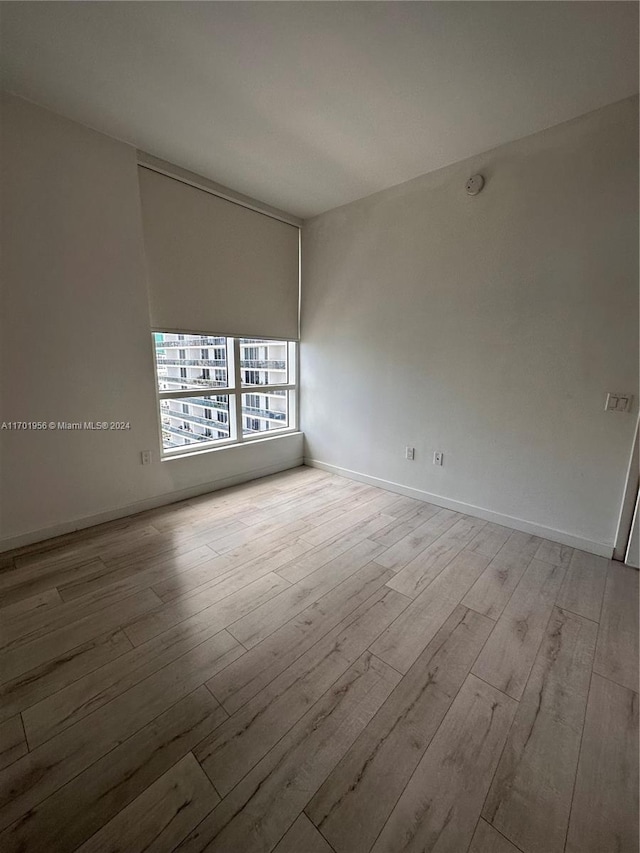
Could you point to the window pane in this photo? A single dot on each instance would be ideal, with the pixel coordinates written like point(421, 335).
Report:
point(194, 420)
point(264, 412)
point(186, 361)
point(263, 362)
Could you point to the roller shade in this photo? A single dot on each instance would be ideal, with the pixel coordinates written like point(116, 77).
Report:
point(215, 266)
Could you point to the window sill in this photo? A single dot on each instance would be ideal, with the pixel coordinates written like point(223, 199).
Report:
point(188, 454)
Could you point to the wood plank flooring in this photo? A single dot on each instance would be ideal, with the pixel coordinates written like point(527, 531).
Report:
point(306, 664)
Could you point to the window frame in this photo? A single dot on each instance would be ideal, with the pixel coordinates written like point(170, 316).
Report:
point(234, 390)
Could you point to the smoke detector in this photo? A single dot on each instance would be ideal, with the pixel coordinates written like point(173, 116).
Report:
point(474, 184)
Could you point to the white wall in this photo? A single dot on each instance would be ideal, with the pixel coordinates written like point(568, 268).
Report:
point(490, 328)
point(75, 342)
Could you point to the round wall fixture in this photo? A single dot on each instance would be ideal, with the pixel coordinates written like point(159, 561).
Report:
point(474, 184)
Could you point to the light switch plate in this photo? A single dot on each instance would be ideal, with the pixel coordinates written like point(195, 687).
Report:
point(618, 402)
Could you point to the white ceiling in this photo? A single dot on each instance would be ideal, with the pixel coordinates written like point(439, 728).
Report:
point(309, 105)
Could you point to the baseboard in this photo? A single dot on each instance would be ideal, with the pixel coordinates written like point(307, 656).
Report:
point(34, 536)
point(600, 548)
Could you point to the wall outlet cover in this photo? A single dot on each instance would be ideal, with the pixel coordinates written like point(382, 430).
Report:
point(618, 402)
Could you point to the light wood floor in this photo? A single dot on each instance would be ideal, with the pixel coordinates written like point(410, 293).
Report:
point(306, 664)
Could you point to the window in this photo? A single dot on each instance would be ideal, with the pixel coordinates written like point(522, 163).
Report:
point(178, 372)
point(272, 414)
point(263, 362)
point(188, 409)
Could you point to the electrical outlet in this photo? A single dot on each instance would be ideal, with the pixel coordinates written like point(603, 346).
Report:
point(618, 402)
point(146, 457)
point(410, 453)
point(438, 457)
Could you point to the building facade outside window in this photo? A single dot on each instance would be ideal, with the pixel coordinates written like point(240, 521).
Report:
point(207, 377)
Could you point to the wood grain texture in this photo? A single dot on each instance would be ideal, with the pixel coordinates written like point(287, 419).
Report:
point(583, 585)
point(161, 816)
point(7, 560)
point(487, 840)
point(508, 656)
point(55, 762)
point(56, 644)
point(402, 642)
point(416, 540)
point(439, 808)
point(266, 803)
point(221, 605)
point(604, 815)
point(135, 575)
point(493, 589)
point(333, 527)
point(84, 546)
point(355, 708)
point(241, 680)
point(240, 567)
point(263, 620)
point(303, 836)
point(38, 683)
point(310, 501)
point(530, 799)
point(241, 742)
point(48, 598)
point(357, 798)
point(28, 627)
point(554, 553)
point(300, 567)
point(617, 650)
point(315, 505)
point(425, 568)
point(405, 524)
point(165, 546)
point(490, 539)
point(85, 803)
point(203, 572)
point(67, 706)
point(13, 744)
point(15, 590)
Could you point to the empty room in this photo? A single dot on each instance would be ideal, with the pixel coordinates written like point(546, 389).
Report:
point(319, 347)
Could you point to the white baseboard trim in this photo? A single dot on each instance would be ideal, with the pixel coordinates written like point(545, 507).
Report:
point(13, 542)
point(600, 548)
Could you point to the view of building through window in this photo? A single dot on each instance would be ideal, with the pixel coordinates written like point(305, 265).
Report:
point(197, 387)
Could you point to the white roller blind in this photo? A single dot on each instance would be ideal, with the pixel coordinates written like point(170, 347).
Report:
point(215, 266)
